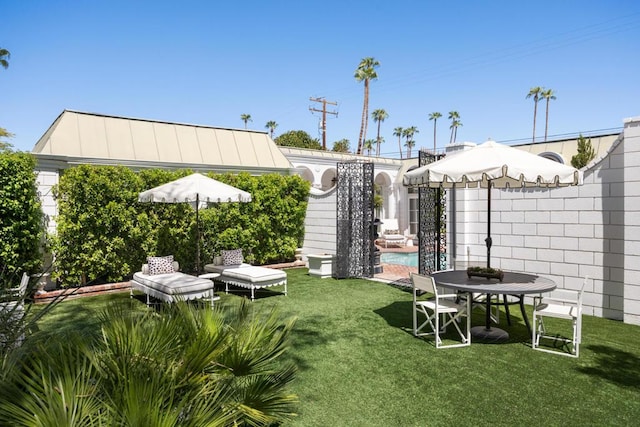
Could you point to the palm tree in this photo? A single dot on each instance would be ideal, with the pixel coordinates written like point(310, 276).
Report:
point(453, 116)
point(535, 92)
point(378, 116)
point(434, 116)
point(368, 145)
point(454, 128)
point(547, 94)
point(399, 132)
point(379, 142)
point(245, 118)
point(365, 72)
point(271, 125)
point(4, 58)
point(408, 134)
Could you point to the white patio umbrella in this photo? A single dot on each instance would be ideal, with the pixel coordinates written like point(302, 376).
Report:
point(197, 190)
point(493, 165)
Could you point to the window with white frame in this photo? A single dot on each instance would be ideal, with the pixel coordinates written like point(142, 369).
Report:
point(414, 208)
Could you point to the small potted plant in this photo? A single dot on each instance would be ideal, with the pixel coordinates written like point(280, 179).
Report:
point(488, 272)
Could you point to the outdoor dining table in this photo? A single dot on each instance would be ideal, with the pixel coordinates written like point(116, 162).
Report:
point(513, 283)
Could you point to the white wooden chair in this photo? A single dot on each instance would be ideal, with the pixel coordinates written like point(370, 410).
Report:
point(440, 311)
point(561, 304)
point(18, 292)
point(12, 313)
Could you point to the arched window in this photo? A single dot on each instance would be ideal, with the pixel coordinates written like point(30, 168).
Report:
point(552, 156)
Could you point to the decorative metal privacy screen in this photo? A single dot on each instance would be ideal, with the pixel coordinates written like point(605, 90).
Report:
point(432, 221)
point(354, 232)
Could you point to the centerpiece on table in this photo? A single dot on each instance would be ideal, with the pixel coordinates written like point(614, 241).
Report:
point(488, 272)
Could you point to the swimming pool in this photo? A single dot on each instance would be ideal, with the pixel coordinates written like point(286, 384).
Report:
point(409, 259)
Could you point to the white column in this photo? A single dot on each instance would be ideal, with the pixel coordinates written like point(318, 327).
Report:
point(631, 290)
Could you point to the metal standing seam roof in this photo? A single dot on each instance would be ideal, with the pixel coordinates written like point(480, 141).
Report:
point(98, 136)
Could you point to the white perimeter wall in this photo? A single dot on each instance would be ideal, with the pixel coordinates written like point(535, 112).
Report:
point(45, 181)
point(565, 233)
point(320, 224)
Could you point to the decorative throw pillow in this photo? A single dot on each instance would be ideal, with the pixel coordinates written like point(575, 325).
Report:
point(232, 257)
point(160, 264)
point(217, 260)
point(391, 231)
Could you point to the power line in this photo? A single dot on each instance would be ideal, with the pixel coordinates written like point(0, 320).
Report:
point(324, 116)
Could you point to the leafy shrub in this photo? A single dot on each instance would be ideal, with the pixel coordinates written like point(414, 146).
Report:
point(105, 234)
point(97, 234)
point(21, 218)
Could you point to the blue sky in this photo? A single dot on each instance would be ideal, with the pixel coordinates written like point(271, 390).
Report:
point(208, 62)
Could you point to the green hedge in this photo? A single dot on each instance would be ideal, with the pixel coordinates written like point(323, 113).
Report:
point(104, 234)
point(21, 218)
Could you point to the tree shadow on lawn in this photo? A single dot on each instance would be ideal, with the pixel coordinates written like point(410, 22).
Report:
point(616, 366)
point(307, 335)
point(75, 316)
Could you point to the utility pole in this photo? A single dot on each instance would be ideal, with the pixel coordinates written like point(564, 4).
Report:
point(324, 117)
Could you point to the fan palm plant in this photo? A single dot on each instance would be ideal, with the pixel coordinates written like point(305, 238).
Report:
point(180, 366)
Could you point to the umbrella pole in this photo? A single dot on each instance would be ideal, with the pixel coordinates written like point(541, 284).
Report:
point(197, 235)
point(488, 240)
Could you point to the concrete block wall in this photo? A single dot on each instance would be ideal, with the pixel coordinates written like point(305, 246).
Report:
point(566, 233)
point(320, 224)
point(45, 182)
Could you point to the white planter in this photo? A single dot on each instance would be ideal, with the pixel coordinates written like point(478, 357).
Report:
point(320, 265)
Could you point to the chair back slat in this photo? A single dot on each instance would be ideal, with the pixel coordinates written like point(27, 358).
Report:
point(23, 284)
point(424, 283)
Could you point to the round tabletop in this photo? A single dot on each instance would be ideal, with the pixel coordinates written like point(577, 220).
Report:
point(512, 284)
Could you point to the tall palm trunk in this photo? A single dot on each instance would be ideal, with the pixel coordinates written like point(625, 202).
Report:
point(365, 112)
point(400, 145)
point(434, 135)
point(535, 114)
point(546, 120)
point(378, 140)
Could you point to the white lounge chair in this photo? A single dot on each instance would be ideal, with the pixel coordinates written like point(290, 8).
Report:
point(247, 276)
point(390, 233)
point(171, 287)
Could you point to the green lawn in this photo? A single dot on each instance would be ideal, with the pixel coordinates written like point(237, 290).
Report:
point(359, 365)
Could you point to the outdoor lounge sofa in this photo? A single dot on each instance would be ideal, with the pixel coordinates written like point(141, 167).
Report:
point(246, 275)
point(391, 233)
point(172, 286)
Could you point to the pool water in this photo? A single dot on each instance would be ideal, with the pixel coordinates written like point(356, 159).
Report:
point(409, 259)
